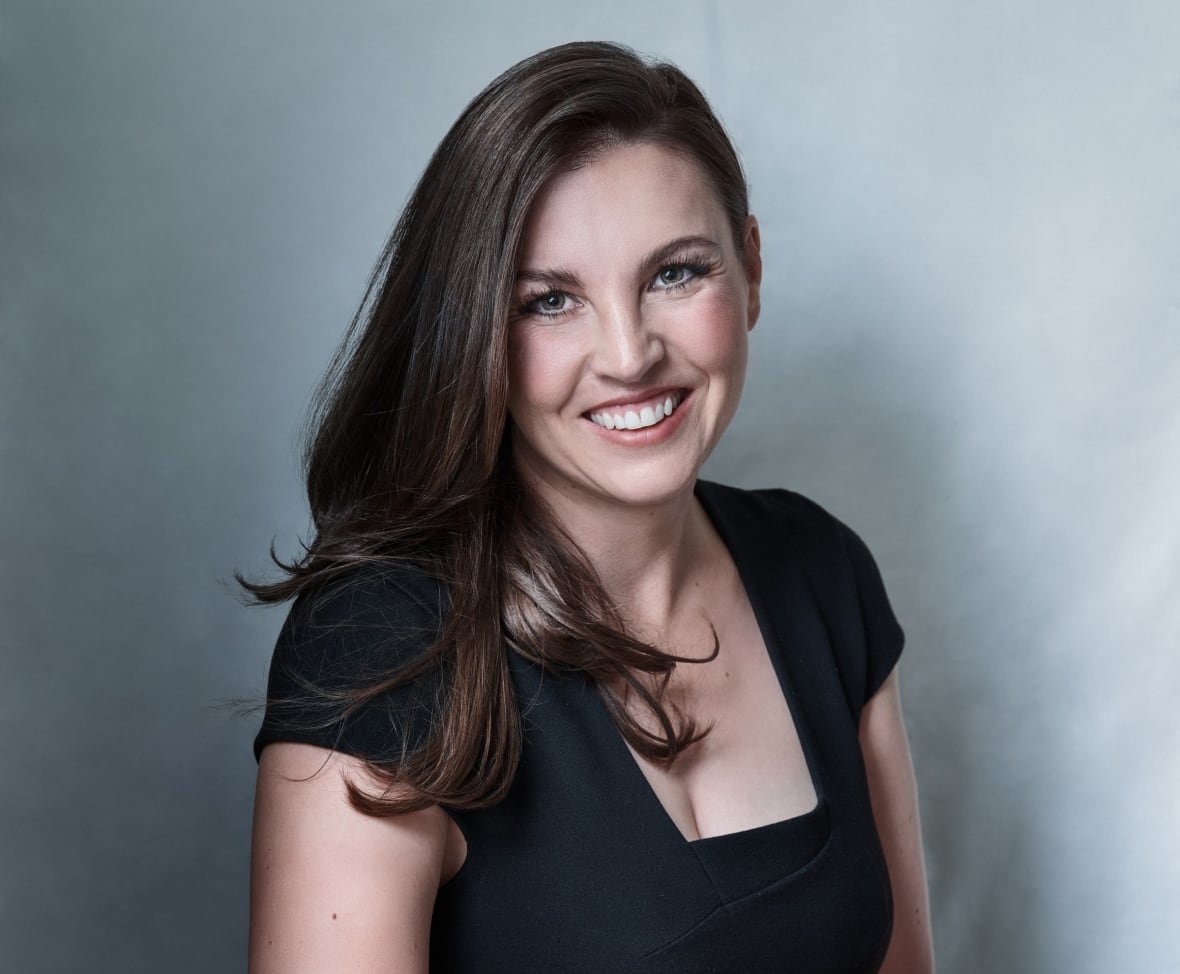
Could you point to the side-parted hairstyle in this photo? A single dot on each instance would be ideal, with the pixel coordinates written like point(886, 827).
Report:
point(408, 460)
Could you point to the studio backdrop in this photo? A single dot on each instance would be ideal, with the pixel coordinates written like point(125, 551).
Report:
point(969, 350)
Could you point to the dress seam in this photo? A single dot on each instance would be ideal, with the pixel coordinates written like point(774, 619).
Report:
point(731, 904)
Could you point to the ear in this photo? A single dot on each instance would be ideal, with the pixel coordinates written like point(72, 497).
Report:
point(752, 260)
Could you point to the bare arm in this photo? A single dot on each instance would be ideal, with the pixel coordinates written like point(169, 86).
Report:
point(894, 796)
point(333, 889)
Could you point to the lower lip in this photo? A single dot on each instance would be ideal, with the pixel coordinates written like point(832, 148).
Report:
point(649, 435)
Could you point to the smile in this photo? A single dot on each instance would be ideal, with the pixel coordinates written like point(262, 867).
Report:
point(637, 417)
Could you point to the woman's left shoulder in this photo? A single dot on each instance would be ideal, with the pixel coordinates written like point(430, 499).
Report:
point(819, 535)
point(842, 577)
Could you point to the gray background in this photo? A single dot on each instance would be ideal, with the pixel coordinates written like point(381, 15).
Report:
point(970, 350)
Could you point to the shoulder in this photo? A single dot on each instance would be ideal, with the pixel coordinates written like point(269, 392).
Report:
point(384, 604)
point(776, 514)
point(768, 527)
point(342, 638)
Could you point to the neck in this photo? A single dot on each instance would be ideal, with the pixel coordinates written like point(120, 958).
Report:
point(649, 558)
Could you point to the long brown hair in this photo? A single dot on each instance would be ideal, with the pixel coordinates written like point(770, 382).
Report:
point(408, 459)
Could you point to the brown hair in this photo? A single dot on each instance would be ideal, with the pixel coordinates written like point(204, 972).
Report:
point(408, 460)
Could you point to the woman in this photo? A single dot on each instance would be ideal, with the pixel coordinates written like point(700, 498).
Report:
point(544, 701)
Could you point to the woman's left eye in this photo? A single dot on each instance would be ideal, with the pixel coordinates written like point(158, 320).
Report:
point(677, 275)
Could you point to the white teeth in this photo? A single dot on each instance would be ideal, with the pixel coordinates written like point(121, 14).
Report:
point(632, 420)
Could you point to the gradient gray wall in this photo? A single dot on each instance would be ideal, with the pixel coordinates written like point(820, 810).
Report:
point(970, 350)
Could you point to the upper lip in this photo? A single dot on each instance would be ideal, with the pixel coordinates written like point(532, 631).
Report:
point(635, 398)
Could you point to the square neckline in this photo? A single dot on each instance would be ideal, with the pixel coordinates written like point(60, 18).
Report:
point(772, 644)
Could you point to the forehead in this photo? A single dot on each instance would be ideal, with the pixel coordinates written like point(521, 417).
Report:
point(634, 194)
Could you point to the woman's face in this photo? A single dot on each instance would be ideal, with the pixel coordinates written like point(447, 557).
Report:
point(627, 347)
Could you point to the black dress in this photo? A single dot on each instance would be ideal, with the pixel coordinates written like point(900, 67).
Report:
point(580, 868)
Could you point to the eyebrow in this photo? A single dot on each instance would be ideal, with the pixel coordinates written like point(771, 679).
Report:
point(560, 277)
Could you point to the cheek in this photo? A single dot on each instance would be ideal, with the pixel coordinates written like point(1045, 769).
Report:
point(722, 338)
point(542, 371)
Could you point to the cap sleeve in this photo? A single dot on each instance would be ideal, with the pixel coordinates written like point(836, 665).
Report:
point(348, 636)
point(883, 635)
point(777, 533)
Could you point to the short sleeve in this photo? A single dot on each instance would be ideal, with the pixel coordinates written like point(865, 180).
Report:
point(883, 635)
point(351, 635)
point(864, 637)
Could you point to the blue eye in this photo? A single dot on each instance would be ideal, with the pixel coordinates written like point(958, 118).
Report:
point(672, 277)
point(550, 304)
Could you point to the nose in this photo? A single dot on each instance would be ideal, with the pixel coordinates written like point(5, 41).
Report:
point(629, 344)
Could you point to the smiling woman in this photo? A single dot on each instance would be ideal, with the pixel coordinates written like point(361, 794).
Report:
point(545, 700)
point(628, 351)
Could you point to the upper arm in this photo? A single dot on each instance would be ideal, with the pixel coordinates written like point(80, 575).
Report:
point(333, 889)
point(894, 795)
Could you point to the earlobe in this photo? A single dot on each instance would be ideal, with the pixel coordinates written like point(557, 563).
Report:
point(752, 258)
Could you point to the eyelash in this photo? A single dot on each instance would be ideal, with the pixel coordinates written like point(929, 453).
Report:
point(697, 266)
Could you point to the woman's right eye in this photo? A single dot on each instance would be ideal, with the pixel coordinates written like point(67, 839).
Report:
point(551, 304)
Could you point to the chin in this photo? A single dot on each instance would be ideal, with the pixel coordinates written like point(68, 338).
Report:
point(602, 480)
point(649, 489)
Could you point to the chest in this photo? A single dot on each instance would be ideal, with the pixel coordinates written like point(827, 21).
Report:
point(584, 868)
point(750, 769)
